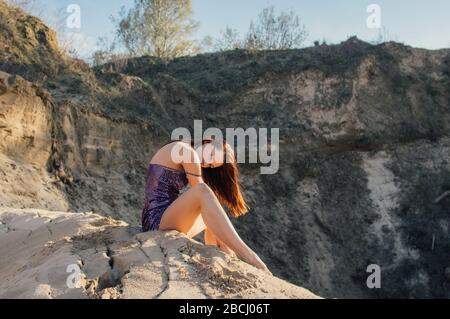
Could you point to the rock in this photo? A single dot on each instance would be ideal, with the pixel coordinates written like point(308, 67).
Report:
point(42, 250)
point(447, 273)
point(3, 84)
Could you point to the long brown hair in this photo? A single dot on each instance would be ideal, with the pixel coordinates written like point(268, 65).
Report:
point(224, 182)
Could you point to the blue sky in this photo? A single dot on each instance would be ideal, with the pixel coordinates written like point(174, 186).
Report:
point(418, 23)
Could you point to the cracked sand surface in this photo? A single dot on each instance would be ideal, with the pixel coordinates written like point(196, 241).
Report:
point(117, 261)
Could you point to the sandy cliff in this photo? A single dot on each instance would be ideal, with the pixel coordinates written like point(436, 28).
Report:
point(38, 249)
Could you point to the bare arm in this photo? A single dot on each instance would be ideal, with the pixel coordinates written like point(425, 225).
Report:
point(192, 166)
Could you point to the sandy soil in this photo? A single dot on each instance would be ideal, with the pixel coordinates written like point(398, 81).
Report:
point(62, 255)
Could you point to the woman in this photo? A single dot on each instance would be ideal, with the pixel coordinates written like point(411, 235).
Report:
point(213, 180)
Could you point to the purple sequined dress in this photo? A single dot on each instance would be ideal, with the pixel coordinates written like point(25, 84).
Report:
point(162, 188)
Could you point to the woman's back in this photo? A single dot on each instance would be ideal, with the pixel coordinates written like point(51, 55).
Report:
point(164, 156)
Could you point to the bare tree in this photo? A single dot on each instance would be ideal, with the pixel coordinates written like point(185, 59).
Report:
point(384, 36)
point(229, 40)
point(269, 32)
point(276, 32)
point(107, 52)
point(66, 39)
point(207, 44)
point(160, 28)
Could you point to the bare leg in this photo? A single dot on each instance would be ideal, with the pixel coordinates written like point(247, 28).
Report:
point(211, 239)
point(183, 214)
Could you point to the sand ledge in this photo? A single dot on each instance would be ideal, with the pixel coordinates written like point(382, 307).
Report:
point(83, 255)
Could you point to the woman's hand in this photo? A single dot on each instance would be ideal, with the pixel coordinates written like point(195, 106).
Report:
point(258, 263)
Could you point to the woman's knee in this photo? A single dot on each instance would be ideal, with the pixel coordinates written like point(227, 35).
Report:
point(203, 190)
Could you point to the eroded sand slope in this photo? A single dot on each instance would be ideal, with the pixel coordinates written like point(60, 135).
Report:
point(117, 261)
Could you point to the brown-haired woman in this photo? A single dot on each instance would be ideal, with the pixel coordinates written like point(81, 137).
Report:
point(213, 180)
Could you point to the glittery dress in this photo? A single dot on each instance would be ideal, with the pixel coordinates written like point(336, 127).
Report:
point(163, 186)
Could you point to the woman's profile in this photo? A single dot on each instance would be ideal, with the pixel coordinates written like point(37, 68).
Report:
point(212, 174)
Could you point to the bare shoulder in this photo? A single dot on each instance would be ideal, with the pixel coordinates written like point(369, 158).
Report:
point(163, 156)
point(174, 155)
point(183, 153)
point(180, 156)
